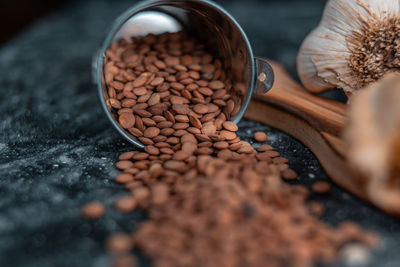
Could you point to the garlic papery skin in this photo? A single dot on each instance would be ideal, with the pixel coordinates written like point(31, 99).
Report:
point(355, 44)
point(372, 140)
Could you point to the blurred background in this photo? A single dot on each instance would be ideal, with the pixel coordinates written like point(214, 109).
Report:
point(253, 15)
point(15, 15)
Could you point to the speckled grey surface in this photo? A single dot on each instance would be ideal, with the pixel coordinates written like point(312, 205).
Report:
point(57, 150)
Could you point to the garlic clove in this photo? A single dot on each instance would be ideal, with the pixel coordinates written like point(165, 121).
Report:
point(307, 69)
point(373, 141)
point(321, 60)
point(341, 51)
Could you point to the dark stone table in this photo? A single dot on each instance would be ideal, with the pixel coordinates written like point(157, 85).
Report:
point(57, 149)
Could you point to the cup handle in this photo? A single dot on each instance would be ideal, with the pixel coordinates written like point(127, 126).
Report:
point(264, 75)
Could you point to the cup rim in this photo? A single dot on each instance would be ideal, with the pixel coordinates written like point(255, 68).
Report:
point(142, 6)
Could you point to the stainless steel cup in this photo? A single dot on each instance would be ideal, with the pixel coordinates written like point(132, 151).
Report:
point(209, 23)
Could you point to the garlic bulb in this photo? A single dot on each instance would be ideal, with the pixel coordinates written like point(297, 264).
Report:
point(372, 139)
point(356, 43)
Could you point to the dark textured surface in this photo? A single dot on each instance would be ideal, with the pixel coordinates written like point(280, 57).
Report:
point(57, 149)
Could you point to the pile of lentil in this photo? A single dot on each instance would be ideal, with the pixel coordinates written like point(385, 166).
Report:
point(211, 198)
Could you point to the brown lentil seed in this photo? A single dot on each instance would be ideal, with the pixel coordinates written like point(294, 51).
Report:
point(208, 129)
point(280, 160)
point(216, 85)
point(180, 126)
point(221, 145)
point(119, 243)
point(321, 187)
point(148, 122)
point(188, 138)
point(140, 91)
point(195, 122)
point(125, 204)
point(265, 147)
point(230, 126)
point(152, 150)
point(151, 132)
point(126, 155)
point(181, 109)
point(245, 149)
point(164, 124)
point(124, 164)
point(161, 144)
point(180, 155)
point(140, 156)
point(124, 178)
point(166, 150)
point(157, 81)
point(225, 154)
point(289, 174)
point(141, 80)
point(205, 91)
point(200, 109)
point(177, 86)
point(167, 131)
point(204, 151)
point(193, 130)
point(182, 118)
point(126, 120)
point(235, 146)
point(272, 154)
point(175, 165)
point(93, 210)
point(260, 137)
point(228, 135)
point(154, 99)
point(189, 147)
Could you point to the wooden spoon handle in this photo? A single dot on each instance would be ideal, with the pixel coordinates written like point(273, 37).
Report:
point(315, 121)
point(321, 113)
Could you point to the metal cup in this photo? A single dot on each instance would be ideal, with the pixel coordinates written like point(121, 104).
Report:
point(210, 24)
